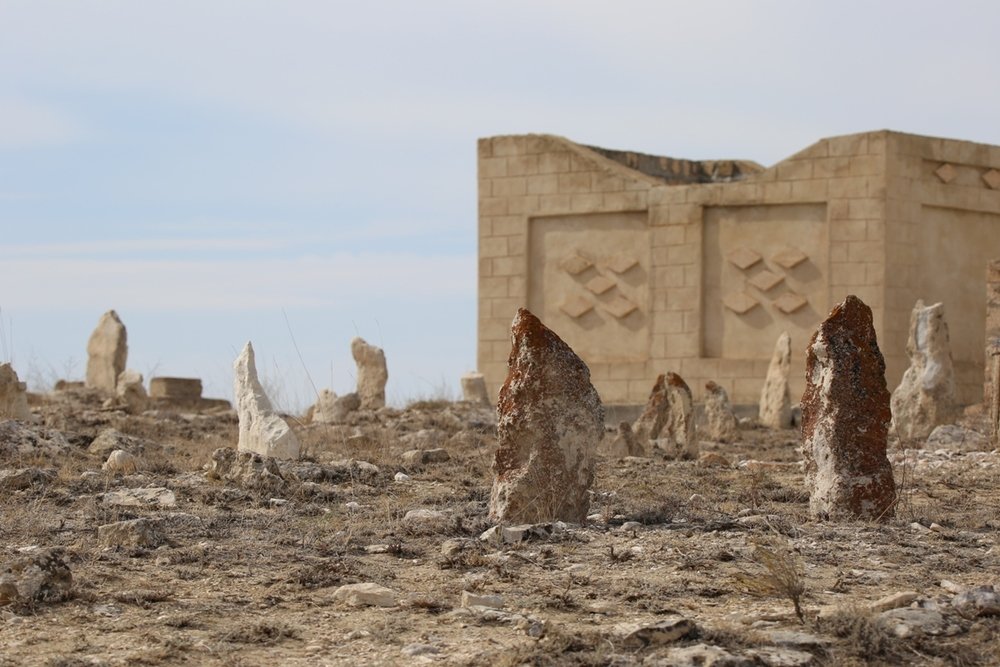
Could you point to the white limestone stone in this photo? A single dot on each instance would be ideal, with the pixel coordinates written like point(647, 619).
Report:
point(775, 404)
point(107, 351)
point(131, 392)
point(925, 397)
point(262, 430)
point(372, 373)
point(722, 425)
point(13, 395)
point(474, 389)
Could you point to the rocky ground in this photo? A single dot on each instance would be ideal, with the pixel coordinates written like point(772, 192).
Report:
point(183, 554)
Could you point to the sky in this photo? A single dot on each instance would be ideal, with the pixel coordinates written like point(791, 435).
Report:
point(299, 172)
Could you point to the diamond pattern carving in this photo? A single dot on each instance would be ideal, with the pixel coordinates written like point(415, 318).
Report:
point(789, 302)
point(992, 179)
point(789, 258)
point(620, 306)
point(576, 306)
point(600, 284)
point(621, 262)
point(744, 258)
point(576, 264)
point(740, 302)
point(765, 280)
point(946, 173)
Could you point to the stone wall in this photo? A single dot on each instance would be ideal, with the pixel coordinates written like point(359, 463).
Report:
point(697, 267)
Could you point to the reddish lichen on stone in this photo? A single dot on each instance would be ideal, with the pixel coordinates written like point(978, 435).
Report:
point(845, 418)
point(549, 423)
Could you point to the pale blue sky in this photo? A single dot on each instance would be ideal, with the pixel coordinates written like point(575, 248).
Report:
point(204, 167)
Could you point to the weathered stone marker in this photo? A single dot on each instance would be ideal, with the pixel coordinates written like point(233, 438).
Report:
point(261, 429)
point(550, 421)
point(625, 444)
point(474, 388)
point(925, 396)
point(677, 439)
point(107, 352)
point(372, 373)
point(722, 425)
point(845, 418)
point(13, 395)
point(775, 405)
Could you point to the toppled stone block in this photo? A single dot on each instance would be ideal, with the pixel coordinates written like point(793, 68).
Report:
point(261, 429)
point(367, 594)
point(372, 373)
point(550, 421)
point(142, 532)
point(248, 470)
point(957, 438)
point(180, 390)
point(425, 438)
point(156, 496)
point(474, 389)
point(664, 631)
point(417, 457)
point(775, 403)
point(13, 395)
point(110, 440)
point(845, 418)
point(40, 576)
point(721, 425)
point(488, 601)
point(107, 352)
point(926, 395)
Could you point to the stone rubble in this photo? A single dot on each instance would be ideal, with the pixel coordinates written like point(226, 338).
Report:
point(845, 419)
point(131, 393)
point(419, 457)
point(142, 532)
point(775, 404)
point(549, 423)
point(107, 352)
point(925, 397)
point(13, 395)
point(39, 576)
point(248, 470)
point(721, 425)
point(372, 374)
point(262, 430)
point(17, 479)
point(366, 594)
point(156, 496)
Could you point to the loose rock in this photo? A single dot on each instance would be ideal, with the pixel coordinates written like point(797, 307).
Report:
point(13, 395)
point(775, 404)
point(42, 576)
point(665, 631)
point(490, 601)
point(142, 532)
point(367, 594)
point(926, 395)
point(625, 443)
point(148, 497)
point(416, 457)
point(24, 478)
point(107, 351)
point(952, 437)
point(978, 601)
point(550, 421)
point(261, 429)
point(845, 413)
point(130, 392)
point(110, 440)
point(372, 373)
point(721, 422)
point(248, 470)
point(120, 461)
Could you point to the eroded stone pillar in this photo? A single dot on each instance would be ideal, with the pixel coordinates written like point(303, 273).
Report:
point(107, 352)
point(775, 403)
point(262, 430)
point(372, 373)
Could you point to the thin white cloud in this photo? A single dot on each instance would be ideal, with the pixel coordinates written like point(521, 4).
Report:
point(234, 284)
point(25, 122)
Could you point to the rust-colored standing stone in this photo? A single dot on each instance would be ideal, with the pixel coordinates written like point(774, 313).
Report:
point(845, 418)
point(549, 423)
point(654, 417)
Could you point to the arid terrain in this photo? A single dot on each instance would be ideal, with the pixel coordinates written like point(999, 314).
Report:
point(680, 562)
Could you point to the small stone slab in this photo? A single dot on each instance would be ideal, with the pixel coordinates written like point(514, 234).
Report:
point(621, 262)
point(946, 173)
point(576, 306)
point(992, 179)
point(740, 302)
point(766, 280)
point(620, 307)
point(789, 302)
point(576, 264)
point(789, 257)
point(743, 258)
point(600, 284)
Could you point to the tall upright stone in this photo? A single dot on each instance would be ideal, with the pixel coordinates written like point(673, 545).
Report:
point(991, 394)
point(926, 395)
point(262, 430)
point(721, 423)
point(550, 421)
point(845, 418)
point(372, 373)
point(13, 395)
point(107, 352)
point(775, 403)
point(677, 439)
point(654, 416)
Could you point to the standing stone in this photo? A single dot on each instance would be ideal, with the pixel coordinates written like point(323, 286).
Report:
point(107, 351)
point(549, 423)
point(722, 424)
point(925, 397)
point(991, 395)
point(845, 418)
point(261, 429)
point(775, 404)
point(625, 442)
point(372, 373)
point(130, 392)
point(677, 439)
point(474, 389)
point(13, 395)
point(654, 417)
